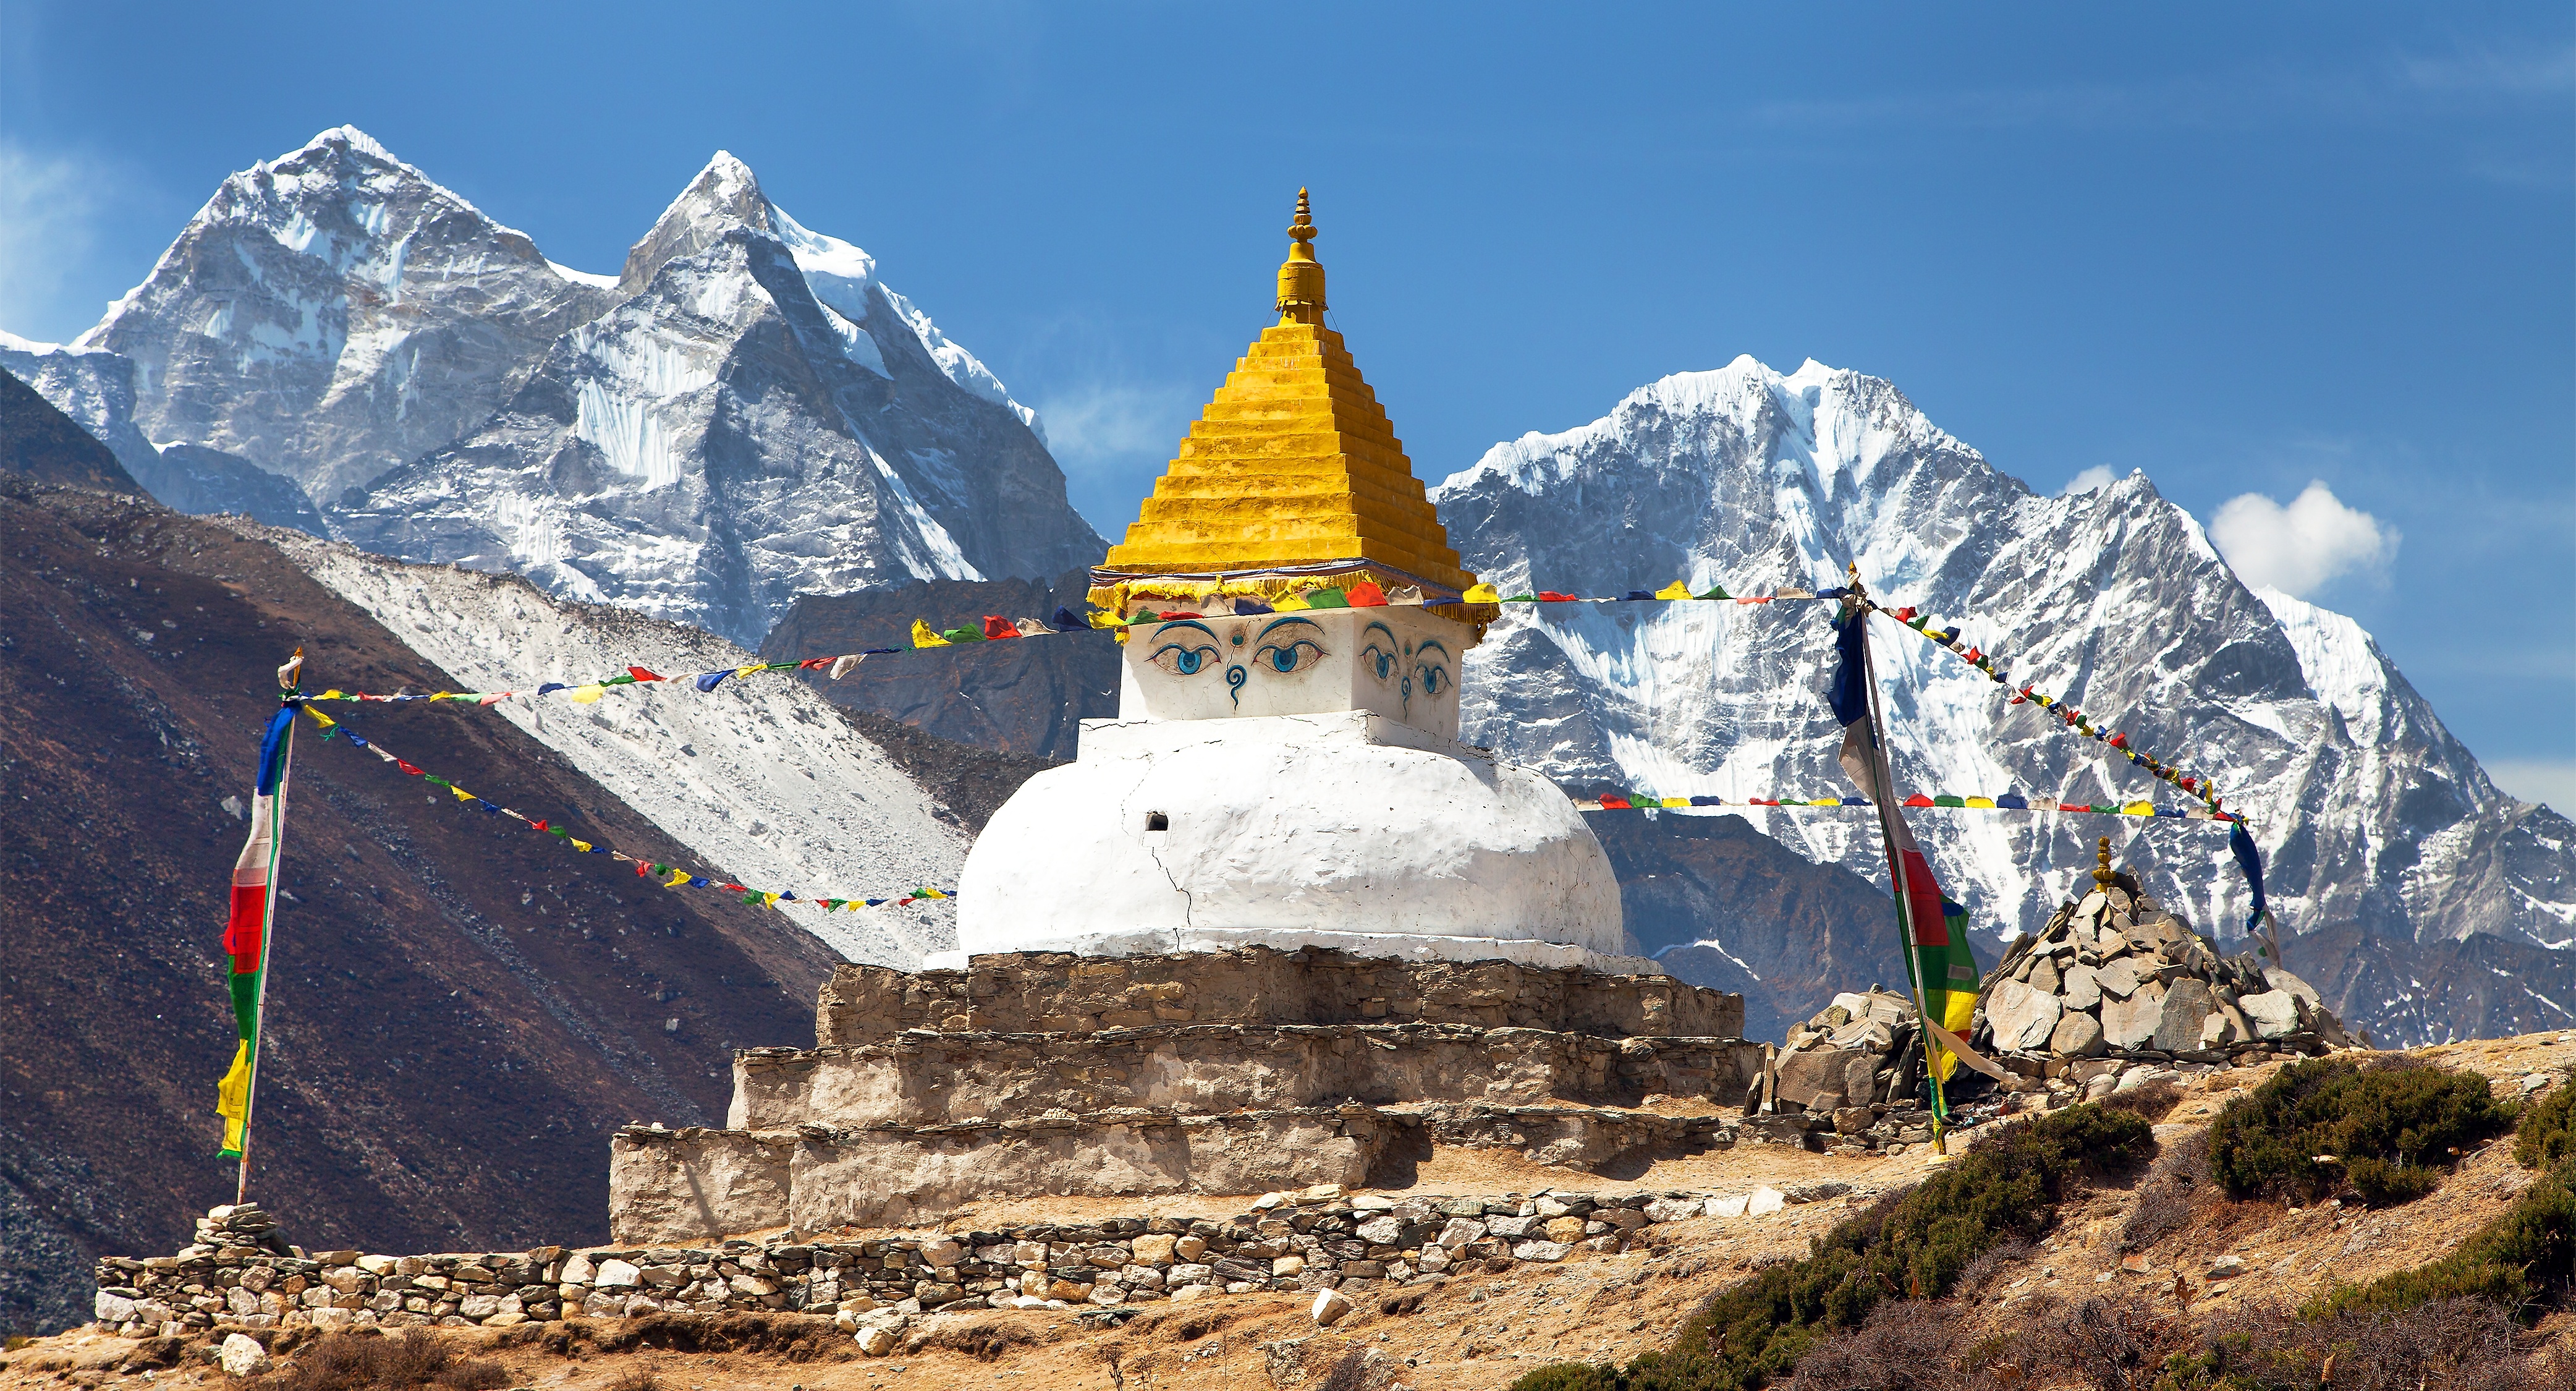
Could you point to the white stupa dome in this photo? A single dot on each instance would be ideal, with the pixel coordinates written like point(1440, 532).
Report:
point(1284, 768)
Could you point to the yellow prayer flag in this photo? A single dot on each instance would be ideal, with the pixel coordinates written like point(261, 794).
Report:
point(582, 845)
point(1481, 594)
point(588, 695)
point(922, 636)
point(232, 1098)
point(461, 794)
point(1675, 590)
point(768, 900)
point(2139, 809)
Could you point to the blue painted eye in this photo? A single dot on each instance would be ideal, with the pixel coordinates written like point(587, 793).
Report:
point(1290, 656)
point(1183, 661)
point(1434, 679)
point(1379, 660)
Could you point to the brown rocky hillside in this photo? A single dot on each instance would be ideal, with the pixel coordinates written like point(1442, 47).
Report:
point(461, 1011)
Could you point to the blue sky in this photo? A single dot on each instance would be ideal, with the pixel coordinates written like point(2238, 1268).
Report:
point(2242, 248)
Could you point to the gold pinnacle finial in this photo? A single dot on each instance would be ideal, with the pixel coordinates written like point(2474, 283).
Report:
point(1301, 276)
point(2102, 874)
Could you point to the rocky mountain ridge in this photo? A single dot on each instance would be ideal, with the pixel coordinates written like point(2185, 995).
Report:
point(746, 413)
point(2368, 812)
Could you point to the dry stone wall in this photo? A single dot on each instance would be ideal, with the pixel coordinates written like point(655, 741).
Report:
point(1058, 992)
point(1317, 1238)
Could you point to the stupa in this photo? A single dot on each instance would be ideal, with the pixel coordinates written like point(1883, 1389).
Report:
point(1285, 769)
point(1276, 928)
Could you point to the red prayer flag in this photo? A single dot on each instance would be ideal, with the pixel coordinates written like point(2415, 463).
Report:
point(996, 628)
point(641, 674)
point(1366, 595)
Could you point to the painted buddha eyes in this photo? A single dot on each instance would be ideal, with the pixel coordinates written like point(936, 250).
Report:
point(1434, 679)
point(1287, 646)
point(1181, 659)
point(1284, 647)
point(1289, 656)
point(1379, 657)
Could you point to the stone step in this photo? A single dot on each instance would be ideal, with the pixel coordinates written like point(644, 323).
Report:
point(696, 1184)
point(700, 1184)
point(1058, 992)
point(924, 1078)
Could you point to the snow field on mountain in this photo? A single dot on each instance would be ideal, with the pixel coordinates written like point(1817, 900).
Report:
point(762, 779)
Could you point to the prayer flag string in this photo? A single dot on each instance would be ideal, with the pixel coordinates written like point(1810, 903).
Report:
point(2009, 801)
point(1482, 597)
point(668, 876)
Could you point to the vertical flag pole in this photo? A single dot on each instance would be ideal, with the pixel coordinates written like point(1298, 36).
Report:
point(1883, 797)
point(277, 752)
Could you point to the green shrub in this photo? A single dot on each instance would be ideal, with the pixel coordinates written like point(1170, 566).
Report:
point(2546, 1133)
point(1570, 1376)
point(2377, 1121)
point(2382, 1184)
point(2523, 1258)
point(1909, 1245)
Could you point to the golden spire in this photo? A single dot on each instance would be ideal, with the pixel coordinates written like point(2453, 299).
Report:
point(2102, 873)
point(1292, 463)
point(1301, 276)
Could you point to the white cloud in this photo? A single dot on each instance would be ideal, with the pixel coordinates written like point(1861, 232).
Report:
point(48, 205)
point(2092, 480)
point(2550, 780)
point(2299, 548)
point(1112, 441)
point(1097, 426)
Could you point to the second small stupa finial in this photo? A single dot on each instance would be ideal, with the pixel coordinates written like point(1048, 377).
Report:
point(2102, 873)
point(1301, 276)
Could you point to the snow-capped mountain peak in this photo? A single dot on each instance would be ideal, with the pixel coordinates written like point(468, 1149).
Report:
point(745, 413)
point(2371, 815)
point(723, 196)
point(333, 312)
point(759, 416)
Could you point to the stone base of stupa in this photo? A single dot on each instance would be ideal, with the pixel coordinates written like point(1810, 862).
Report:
point(1240, 1071)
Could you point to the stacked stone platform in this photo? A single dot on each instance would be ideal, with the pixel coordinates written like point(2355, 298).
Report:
point(925, 1078)
point(1061, 993)
point(1244, 1071)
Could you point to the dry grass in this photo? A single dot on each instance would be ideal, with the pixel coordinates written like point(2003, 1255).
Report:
point(371, 1362)
point(2176, 1185)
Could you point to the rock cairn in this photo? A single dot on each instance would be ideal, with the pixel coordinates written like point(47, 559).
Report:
point(242, 1227)
point(2116, 974)
point(1858, 1062)
point(1316, 1239)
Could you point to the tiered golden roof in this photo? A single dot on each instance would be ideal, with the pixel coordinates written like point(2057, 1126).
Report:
point(1293, 464)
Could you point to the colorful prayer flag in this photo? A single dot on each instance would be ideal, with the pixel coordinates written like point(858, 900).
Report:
point(247, 932)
